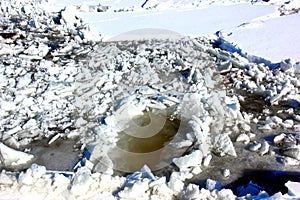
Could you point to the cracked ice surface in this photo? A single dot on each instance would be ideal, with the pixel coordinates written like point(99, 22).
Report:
point(56, 83)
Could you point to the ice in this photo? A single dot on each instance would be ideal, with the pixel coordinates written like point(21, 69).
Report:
point(255, 146)
point(60, 181)
point(175, 183)
point(192, 160)
point(276, 119)
point(222, 145)
point(6, 50)
point(243, 138)
point(37, 50)
point(138, 190)
point(14, 130)
point(250, 188)
point(81, 181)
point(226, 173)
point(192, 192)
point(245, 127)
point(287, 123)
point(212, 185)
point(264, 148)
point(293, 189)
point(44, 67)
point(206, 160)
point(11, 157)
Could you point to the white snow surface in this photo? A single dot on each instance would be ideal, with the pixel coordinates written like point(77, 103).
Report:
point(273, 37)
point(183, 21)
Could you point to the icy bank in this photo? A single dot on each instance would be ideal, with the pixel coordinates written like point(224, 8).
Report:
point(274, 39)
point(192, 22)
point(270, 26)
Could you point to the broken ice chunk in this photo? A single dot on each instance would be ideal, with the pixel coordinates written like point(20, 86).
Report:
point(191, 192)
point(191, 160)
point(293, 152)
point(82, 181)
point(276, 119)
point(255, 147)
point(297, 127)
point(287, 66)
point(53, 139)
point(265, 127)
point(250, 188)
point(225, 66)
point(264, 148)
point(213, 185)
point(296, 117)
point(232, 107)
point(293, 188)
point(14, 130)
point(279, 138)
point(11, 157)
point(243, 138)
point(8, 105)
point(175, 183)
point(290, 161)
point(289, 123)
point(146, 173)
point(37, 50)
point(245, 127)
point(196, 170)
point(222, 145)
point(207, 160)
point(24, 80)
point(290, 146)
point(168, 100)
point(276, 98)
point(251, 135)
point(137, 191)
point(30, 124)
point(250, 84)
point(226, 173)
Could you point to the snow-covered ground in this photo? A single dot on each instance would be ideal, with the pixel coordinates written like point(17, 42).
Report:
point(189, 22)
point(271, 35)
point(274, 39)
point(220, 86)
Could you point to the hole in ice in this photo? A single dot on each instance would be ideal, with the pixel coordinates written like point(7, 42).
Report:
point(149, 144)
point(134, 150)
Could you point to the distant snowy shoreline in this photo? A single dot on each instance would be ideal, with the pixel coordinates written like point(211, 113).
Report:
point(239, 21)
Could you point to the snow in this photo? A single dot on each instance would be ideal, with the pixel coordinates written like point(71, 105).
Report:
point(273, 39)
point(192, 22)
point(270, 34)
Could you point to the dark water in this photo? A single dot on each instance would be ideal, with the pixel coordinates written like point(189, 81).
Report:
point(132, 153)
point(60, 155)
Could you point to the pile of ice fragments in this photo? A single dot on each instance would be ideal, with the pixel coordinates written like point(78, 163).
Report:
point(57, 83)
point(38, 68)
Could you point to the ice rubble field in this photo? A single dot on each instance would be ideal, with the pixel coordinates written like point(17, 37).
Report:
point(75, 107)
